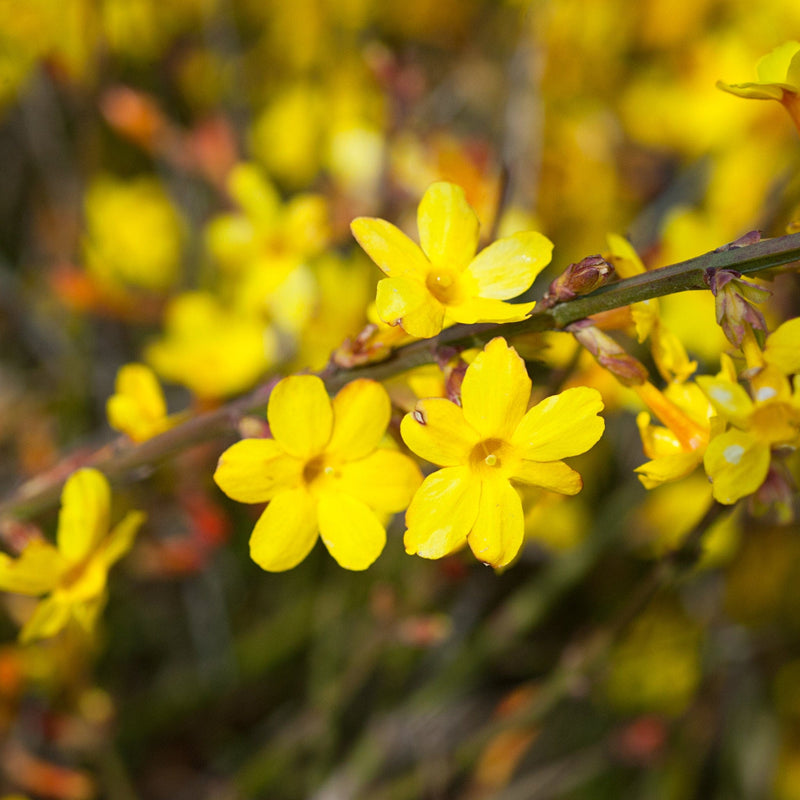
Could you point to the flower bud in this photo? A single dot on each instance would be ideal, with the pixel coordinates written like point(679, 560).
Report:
point(625, 368)
point(577, 279)
point(734, 303)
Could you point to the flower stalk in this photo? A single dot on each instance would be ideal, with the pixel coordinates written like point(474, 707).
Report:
point(122, 459)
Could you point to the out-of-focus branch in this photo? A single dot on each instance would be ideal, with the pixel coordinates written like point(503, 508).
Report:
point(121, 458)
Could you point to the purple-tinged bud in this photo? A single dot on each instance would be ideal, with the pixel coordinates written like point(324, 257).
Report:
point(734, 298)
point(581, 278)
point(610, 355)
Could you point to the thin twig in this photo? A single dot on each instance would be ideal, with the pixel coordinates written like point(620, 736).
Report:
point(120, 458)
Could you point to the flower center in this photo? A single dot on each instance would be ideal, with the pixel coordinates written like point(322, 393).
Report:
point(317, 471)
point(489, 456)
point(443, 285)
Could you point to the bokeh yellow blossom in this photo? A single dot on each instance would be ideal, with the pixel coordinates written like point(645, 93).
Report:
point(72, 573)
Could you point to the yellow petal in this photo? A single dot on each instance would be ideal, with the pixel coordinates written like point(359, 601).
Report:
point(555, 476)
point(730, 399)
point(285, 532)
point(508, 267)
point(499, 528)
point(361, 412)
point(737, 464)
point(37, 570)
point(255, 470)
point(350, 530)
point(83, 520)
point(774, 67)
point(385, 480)
point(561, 426)
point(624, 257)
point(121, 538)
point(252, 190)
point(668, 468)
point(410, 304)
point(140, 382)
point(448, 226)
point(437, 431)
point(390, 248)
point(479, 309)
point(753, 91)
point(782, 348)
point(442, 512)
point(300, 415)
point(49, 617)
point(496, 390)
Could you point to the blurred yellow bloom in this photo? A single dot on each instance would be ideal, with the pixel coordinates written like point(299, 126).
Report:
point(74, 572)
point(323, 474)
point(267, 234)
point(134, 235)
point(484, 445)
point(212, 349)
point(138, 407)
point(443, 281)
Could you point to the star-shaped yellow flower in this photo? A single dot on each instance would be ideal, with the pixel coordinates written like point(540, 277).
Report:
point(487, 445)
point(323, 474)
point(443, 281)
point(73, 573)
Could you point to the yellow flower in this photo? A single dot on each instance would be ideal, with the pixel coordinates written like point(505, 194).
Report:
point(137, 406)
point(677, 447)
point(443, 281)
point(737, 461)
point(74, 572)
point(778, 79)
point(134, 234)
point(484, 445)
point(211, 348)
point(322, 474)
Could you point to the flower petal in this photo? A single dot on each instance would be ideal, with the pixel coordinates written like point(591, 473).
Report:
point(255, 470)
point(774, 66)
point(49, 617)
point(442, 512)
point(496, 390)
point(411, 305)
point(361, 412)
point(737, 464)
point(390, 248)
point(300, 415)
point(448, 226)
point(350, 530)
point(668, 468)
point(83, 519)
point(508, 267)
point(782, 348)
point(499, 528)
point(120, 540)
point(385, 480)
point(479, 309)
point(561, 426)
point(555, 476)
point(285, 532)
point(730, 399)
point(37, 570)
point(437, 431)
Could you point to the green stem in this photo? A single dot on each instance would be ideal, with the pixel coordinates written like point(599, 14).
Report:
point(121, 458)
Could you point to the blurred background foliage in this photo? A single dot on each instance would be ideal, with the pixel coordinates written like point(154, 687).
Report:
point(178, 181)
